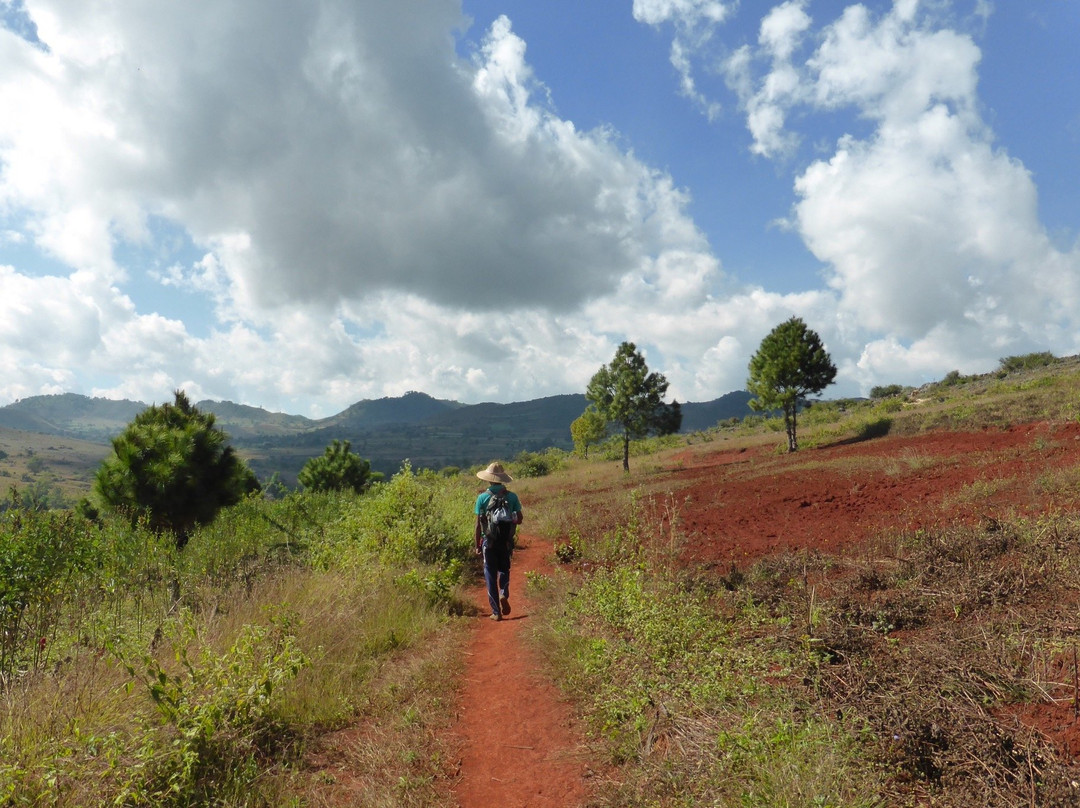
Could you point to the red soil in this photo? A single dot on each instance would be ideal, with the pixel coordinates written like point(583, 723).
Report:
point(743, 505)
point(736, 506)
point(519, 746)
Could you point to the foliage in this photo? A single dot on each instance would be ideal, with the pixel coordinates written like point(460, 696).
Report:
point(220, 713)
point(376, 642)
point(173, 467)
point(409, 520)
point(790, 364)
point(43, 556)
point(953, 377)
point(889, 391)
point(1031, 361)
point(337, 469)
point(587, 429)
point(538, 464)
point(37, 495)
point(625, 394)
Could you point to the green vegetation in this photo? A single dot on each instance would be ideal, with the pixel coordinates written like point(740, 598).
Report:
point(626, 396)
point(301, 615)
point(337, 469)
point(889, 391)
point(173, 468)
point(588, 429)
point(1031, 361)
point(790, 364)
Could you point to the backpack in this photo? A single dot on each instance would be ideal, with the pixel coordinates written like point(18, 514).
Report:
point(499, 522)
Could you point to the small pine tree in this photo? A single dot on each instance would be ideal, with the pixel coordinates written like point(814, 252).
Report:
point(337, 469)
point(790, 364)
point(174, 468)
point(625, 394)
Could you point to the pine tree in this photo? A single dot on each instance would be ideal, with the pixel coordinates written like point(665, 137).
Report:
point(790, 364)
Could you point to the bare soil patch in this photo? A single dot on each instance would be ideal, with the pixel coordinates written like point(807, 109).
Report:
point(742, 505)
point(516, 740)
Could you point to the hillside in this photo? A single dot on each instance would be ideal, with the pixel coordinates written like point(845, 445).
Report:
point(428, 432)
point(885, 617)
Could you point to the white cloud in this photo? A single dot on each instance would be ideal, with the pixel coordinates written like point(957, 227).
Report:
point(695, 22)
point(350, 186)
point(341, 151)
point(929, 232)
point(782, 29)
point(685, 12)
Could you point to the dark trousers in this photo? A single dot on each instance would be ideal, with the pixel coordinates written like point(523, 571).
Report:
point(497, 574)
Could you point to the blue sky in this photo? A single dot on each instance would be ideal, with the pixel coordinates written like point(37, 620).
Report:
point(297, 206)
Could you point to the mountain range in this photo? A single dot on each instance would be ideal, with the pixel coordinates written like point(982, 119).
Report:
point(429, 432)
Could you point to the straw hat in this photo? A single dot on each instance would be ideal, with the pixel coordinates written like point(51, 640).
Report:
point(494, 474)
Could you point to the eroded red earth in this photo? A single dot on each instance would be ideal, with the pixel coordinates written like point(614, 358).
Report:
point(742, 505)
point(736, 506)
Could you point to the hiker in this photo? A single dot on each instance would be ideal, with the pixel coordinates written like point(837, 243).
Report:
point(498, 513)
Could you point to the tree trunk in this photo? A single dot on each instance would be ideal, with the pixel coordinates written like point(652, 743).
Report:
point(789, 424)
point(626, 452)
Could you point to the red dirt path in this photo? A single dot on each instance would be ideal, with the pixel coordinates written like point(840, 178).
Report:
point(736, 506)
point(519, 746)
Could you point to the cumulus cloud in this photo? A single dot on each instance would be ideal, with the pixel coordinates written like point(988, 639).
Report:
point(342, 150)
point(931, 232)
point(370, 212)
point(928, 230)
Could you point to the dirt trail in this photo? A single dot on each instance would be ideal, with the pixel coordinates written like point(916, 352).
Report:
point(518, 744)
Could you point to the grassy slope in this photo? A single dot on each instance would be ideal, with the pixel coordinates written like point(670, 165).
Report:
point(937, 668)
point(65, 463)
point(806, 681)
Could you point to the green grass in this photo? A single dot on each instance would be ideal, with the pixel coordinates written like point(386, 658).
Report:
point(295, 620)
point(317, 635)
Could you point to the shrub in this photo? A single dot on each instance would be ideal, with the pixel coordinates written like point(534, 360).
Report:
point(889, 391)
point(220, 713)
point(410, 519)
point(538, 464)
point(1031, 361)
point(42, 558)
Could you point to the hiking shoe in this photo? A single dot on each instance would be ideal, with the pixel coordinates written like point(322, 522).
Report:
point(496, 617)
point(504, 604)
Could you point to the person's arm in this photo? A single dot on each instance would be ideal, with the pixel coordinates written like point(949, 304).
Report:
point(478, 535)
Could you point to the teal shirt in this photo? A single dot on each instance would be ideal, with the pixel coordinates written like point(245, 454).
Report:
point(482, 500)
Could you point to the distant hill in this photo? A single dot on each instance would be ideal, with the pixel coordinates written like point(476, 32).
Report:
point(429, 432)
point(410, 408)
point(242, 421)
point(92, 419)
point(697, 417)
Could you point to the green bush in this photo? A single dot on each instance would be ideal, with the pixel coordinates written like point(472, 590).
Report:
point(412, 518)
point(1031, 361)
point(889, 391)
point(219, 711)
point(44, 556)
point(538, 464)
